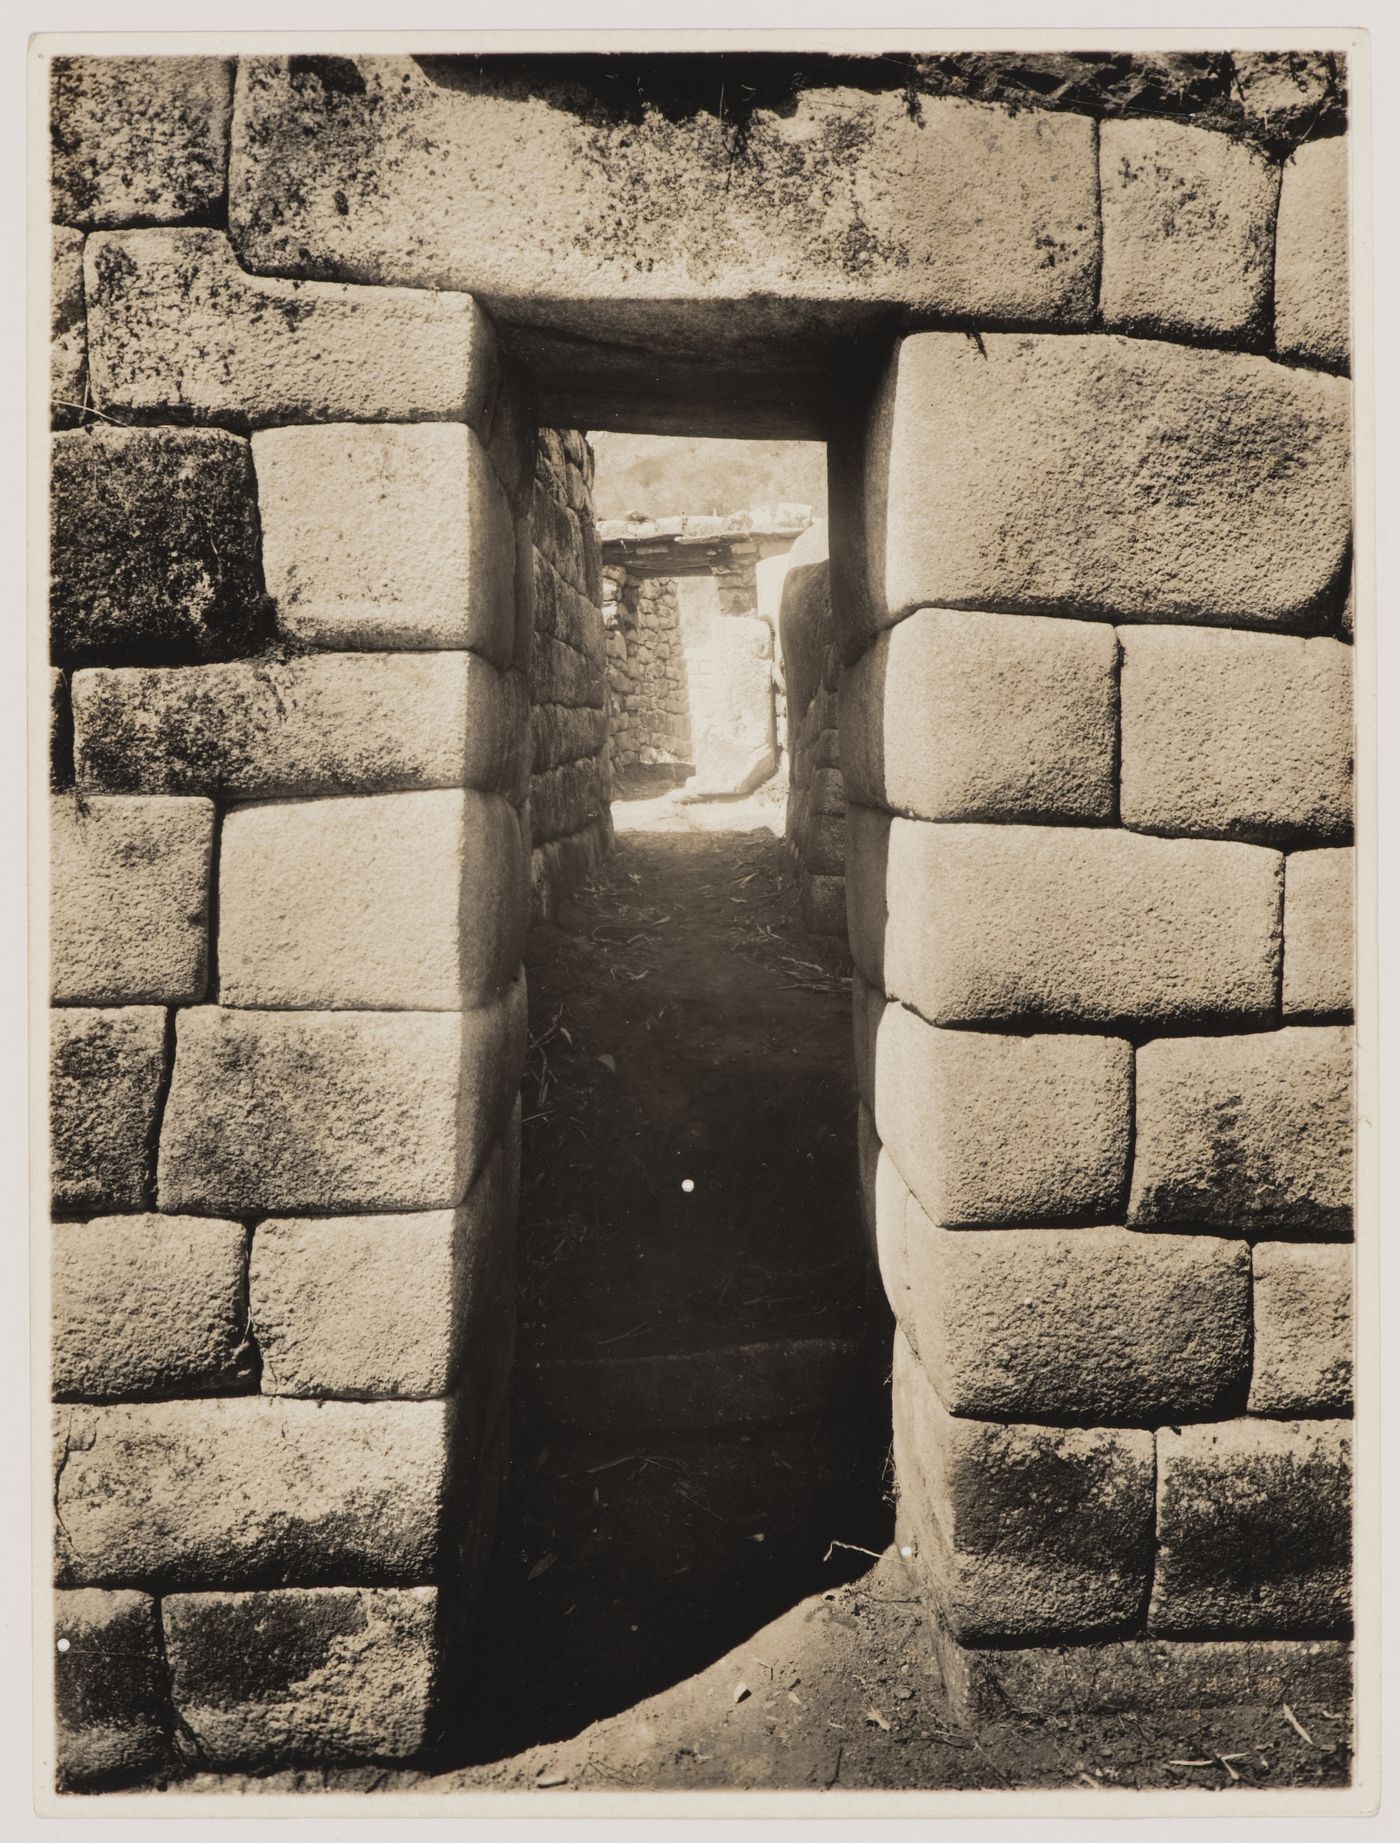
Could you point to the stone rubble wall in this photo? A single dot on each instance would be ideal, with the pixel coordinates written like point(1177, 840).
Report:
point(571, 772)
point(1096, 734)
point(1089, 572)
point(648, 689)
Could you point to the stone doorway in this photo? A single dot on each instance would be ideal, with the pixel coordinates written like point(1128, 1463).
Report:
point(329, 719)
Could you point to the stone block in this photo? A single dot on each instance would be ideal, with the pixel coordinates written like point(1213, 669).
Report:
point(146, 1305)
point(565, 733)
point(564, 800)
point(824, 846)
point(1018, 1129)
point(1253, 1529)
point(380, 538)
point(175, 325)
point(67, 329)
point(1237, 735)
point(335, 723)
point(560, 674)
point(560, 609)
point(984, 717)
point(1312, 292)
point(804, 629)
point(139, 140)
point(821, 903)
point(828, 789)
point(60, 732)
point(867, 889)
point(1319, 933)
point(1022, 1531)
point(335, 1110)
point(1246, 1134)
point(1142, 1676)
point(1188, 231)
point(956, 208)
point(153, 547)
point(1100, 475)
point(106, 1073)
point(111, 1708)
point(129, 899)
point(867, 1009)
point(382, 1305)
point(889, 1206)
point(1302, 1328)
point(1098, 1325)
point(251, 1490)
point(302, 1675)
point(390, 902)
point(992, 923)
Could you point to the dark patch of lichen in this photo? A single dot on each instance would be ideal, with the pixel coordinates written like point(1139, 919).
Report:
point(154, 548)
point(1275, 98)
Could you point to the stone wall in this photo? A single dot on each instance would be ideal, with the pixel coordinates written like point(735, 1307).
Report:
point(291, 634)
point(816, 807)
point(570, 782)
point(648, 688)
point(1090, 561)
point(1096, 732)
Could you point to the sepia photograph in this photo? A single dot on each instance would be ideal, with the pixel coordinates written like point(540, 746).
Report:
point(701, 824)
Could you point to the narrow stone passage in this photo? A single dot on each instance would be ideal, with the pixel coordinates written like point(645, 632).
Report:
point(700, 1406)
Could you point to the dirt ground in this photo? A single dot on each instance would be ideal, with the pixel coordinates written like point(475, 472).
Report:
point(842, 1693)
point(676, 1603)
point(701, 1401)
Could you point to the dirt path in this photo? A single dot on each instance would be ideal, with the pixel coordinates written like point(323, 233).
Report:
point(700, 1406)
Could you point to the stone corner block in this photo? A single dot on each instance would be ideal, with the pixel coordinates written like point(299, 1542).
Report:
point(958, 716)
point(129, 897)
point(1253, 1529)
point(1312, 287)
point(335, 1110)
point(112, 1714)
point(304, 1675)
point(381, 538)
point(1188, 231)
point(988, 1128)
point(1099, 1325)
point(383, 1306)
point(1099, 475)
point(107, 1068)
point(400, 901)
point(326, 723)
point(1021, 1531)
point(1246, 1134)
point(139, 140)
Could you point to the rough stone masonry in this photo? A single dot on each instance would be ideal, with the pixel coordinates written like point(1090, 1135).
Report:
point(329, 698)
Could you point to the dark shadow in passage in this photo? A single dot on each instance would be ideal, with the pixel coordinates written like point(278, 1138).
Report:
point(655, 1513)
